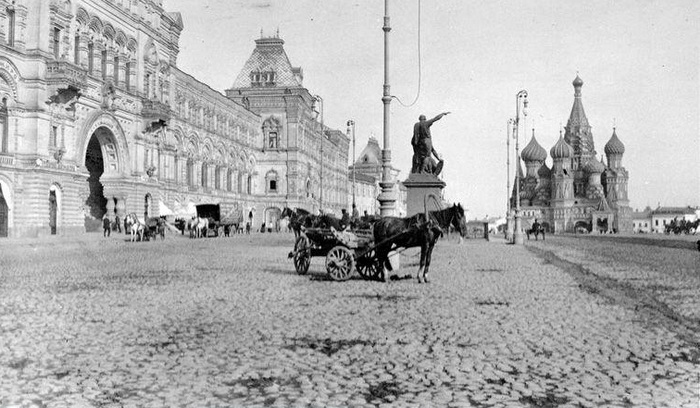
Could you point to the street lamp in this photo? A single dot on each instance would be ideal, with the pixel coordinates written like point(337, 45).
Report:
point(518, 233)
point(509, 210)
point(317, 107)
point(351, 126)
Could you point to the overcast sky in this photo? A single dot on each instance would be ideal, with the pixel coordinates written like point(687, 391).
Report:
point(638, 59)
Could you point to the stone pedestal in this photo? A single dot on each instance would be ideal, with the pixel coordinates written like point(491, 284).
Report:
point(417, 187)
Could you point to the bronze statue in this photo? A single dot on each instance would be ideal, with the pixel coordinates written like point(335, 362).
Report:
point(423, 150)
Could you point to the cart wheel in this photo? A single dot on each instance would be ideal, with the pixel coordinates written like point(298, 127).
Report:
point(368, 266)
point(340, 262)
point(302, 255)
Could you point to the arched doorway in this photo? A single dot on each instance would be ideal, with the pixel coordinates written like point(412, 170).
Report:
point(272, 217)
point(96, 202)
point(53, 210)
point(4, 215)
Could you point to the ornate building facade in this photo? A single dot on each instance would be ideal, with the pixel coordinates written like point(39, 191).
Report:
point(96, 118)
point(579, 192)
point(368, 173)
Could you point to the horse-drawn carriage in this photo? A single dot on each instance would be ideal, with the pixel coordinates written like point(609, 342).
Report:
point(367, 249)
point(344, 251)
point(144, 231)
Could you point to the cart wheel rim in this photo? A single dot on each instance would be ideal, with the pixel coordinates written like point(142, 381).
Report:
point(340, 263)
point(302, 255)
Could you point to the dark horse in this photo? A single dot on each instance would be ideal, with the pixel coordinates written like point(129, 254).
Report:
point(297, 219)
point(415, 231)
point(536, 230)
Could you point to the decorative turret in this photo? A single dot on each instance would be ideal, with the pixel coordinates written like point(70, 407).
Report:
point(614, 149)
point(594, 168)
point(578, 132)
point(562, 177)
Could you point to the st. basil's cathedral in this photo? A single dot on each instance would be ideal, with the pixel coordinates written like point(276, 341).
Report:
point(580, 193)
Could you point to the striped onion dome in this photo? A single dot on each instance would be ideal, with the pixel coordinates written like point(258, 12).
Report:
point(561, 149)
point(614, 145)
point(544, 171)
point(533, 151)
point(594, 166)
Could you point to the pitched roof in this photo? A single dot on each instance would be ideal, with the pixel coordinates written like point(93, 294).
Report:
point(269, 55)
point(603, 205)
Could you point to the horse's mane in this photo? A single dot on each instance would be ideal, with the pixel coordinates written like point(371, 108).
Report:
point(301, 211)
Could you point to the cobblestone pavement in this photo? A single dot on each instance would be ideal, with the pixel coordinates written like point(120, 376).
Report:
point(96, 322)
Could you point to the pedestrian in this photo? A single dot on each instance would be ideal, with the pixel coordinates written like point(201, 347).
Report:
point(119, 224)
point(106, 226)
point(344, 219)
point(355, 213)
point(247, 228)
point(262, 228)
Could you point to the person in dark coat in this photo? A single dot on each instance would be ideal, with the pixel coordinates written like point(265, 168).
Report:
point(106, 226)
point(118, 222)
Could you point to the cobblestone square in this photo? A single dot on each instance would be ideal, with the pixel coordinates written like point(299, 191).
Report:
point(101, 322)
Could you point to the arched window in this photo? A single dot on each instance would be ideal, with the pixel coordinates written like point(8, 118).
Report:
point(250, 184)
point(217, 178)
point(229, 181)
point(11, 26)
point(190, 172)
point(240, 183)
point(205, 175)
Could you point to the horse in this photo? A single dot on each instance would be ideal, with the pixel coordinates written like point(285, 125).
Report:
point(198, 227)
point(536, 230)
point(297, 218)
point(136, 227)
point(415, 231)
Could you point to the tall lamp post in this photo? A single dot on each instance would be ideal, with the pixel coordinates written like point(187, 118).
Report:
point(317, 107)
point(387, 198)
point(518, 233)
point(509, 210)
point(351, 127)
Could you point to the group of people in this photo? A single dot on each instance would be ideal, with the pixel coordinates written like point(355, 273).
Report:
point(107, 225)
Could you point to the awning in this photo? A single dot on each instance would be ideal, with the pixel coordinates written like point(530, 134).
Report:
point(191, 208)
point(163, 209)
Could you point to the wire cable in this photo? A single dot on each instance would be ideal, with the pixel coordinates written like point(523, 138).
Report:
point(419, 68)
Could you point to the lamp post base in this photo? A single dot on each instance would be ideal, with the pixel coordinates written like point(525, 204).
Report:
point(509, 227)
point(518, 238)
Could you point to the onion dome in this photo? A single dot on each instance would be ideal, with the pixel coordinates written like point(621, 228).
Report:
point(614, 145)
point(561, 149)
point(594, 166)
point(533, 151)
point(578, 82)
point(544, 172)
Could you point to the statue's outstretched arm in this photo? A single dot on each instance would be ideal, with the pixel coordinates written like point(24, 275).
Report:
point(438, 117)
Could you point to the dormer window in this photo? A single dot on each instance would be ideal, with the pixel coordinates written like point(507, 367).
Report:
point(263, 78)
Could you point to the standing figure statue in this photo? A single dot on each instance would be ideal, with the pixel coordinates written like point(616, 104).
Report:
point(423, 147)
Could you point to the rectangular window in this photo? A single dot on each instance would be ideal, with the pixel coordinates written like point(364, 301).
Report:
point(104, 64)
point(127, 75)
point(116, 70)
point(91, 58)
point(56, 43)
point(11, 28)
point(54, 136)
point(272, 140)
point(273, 185)
point(76, 55)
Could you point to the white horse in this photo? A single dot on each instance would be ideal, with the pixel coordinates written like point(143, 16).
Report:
point(198, 227)
point(136, 227)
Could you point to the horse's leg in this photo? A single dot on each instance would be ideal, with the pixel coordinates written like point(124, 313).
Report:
point(421, 267)
point(428, 257)
point(542, 235)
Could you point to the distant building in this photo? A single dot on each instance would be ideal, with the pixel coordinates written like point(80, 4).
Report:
point(662, 216)
point(641, 221)
point(579, 192)
point(368, 174)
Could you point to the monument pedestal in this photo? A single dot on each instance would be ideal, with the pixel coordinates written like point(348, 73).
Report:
point(417, 187)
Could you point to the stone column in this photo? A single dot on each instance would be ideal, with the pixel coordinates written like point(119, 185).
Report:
point(109, 64)
point(82, 50)
point(110, 208)
point(121, 69)
point(132, 75)
point(97, 59)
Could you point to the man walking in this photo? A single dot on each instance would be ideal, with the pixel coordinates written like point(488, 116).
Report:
point(106, 226)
